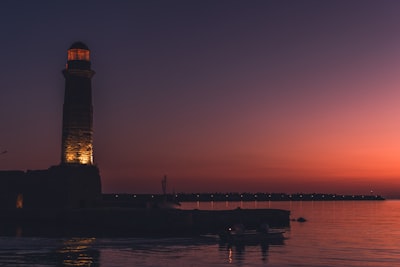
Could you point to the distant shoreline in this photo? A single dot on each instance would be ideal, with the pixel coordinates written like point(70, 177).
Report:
point(218, 197)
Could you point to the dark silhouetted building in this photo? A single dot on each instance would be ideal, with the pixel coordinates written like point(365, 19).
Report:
point(75, 183)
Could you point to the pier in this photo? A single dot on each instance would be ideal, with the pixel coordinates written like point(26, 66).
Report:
point(141, 199)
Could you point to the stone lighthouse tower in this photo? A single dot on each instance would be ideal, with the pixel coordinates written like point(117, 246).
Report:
point(76, 182)
point(77, 125)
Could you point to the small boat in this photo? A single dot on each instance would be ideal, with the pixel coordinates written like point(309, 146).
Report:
point(239, 235)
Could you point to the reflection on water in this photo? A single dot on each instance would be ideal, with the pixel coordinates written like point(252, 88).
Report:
point(239, 253)
point(201, 251)
point(33, 251)
point(78, 252)
point(340, 233)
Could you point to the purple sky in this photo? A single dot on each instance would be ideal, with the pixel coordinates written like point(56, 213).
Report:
point(283, 96)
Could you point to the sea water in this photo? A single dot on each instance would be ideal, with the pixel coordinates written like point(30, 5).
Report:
point(336, 233)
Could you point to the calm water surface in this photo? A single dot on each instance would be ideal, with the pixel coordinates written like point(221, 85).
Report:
point(338, 233)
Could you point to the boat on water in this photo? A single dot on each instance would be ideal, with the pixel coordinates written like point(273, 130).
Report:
point(239, 235)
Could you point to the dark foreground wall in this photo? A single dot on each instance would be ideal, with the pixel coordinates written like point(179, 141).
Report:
point(125, 222)
point(59, 187)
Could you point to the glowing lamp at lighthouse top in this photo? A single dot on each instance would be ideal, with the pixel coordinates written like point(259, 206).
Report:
point(78, 54)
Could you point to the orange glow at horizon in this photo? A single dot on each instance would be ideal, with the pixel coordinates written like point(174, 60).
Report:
point(222, 97)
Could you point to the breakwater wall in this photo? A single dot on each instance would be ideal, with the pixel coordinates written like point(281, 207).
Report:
point(132, 200)
point(126, 222)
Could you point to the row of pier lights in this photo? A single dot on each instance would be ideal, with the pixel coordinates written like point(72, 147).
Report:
point(185, 197)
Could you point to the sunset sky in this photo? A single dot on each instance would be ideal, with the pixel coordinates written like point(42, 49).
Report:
point(257, 96)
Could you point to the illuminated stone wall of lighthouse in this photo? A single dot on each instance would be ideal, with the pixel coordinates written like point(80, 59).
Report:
point(77, 127)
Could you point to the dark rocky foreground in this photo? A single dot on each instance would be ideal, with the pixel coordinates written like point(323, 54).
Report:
point(125, 222)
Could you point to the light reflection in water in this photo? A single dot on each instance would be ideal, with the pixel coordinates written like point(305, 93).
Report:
point(230, 255)
point(239, 253)
point(341, 233)
point(75, 252)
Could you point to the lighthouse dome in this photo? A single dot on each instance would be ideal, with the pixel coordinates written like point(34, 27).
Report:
point(79, 45)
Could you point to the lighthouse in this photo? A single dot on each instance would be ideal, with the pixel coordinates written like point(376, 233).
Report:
point(76, 182)
point(77, 124)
